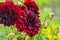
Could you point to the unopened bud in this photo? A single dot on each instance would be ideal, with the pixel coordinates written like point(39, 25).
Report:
point(46, 24)
point(51, 15)
point(11, 35)
point(21, 2)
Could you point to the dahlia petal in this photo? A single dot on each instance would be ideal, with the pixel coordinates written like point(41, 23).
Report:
point(32, 4)
point(27, 1)
point(20, 29)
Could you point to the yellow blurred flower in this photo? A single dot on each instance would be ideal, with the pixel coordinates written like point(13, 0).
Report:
point(27, 37)
point(52, 37)
point(46, 31)
point(58, 36)
point(53, 27)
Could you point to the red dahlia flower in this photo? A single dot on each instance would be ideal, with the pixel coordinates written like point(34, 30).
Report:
point(28, 22)
point(8, 13)
point(32, 23)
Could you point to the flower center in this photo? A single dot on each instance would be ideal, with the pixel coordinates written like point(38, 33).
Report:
point(6, 16)
point(31, 20)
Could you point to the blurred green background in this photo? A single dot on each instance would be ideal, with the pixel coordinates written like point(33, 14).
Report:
point(52, 6)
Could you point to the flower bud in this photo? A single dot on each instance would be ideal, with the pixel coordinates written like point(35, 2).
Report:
point(51, 15)
point(11, 35)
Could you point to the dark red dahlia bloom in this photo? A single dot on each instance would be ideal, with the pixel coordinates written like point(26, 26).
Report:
point(32, 23)
point(8, 13)
point(28, 22)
